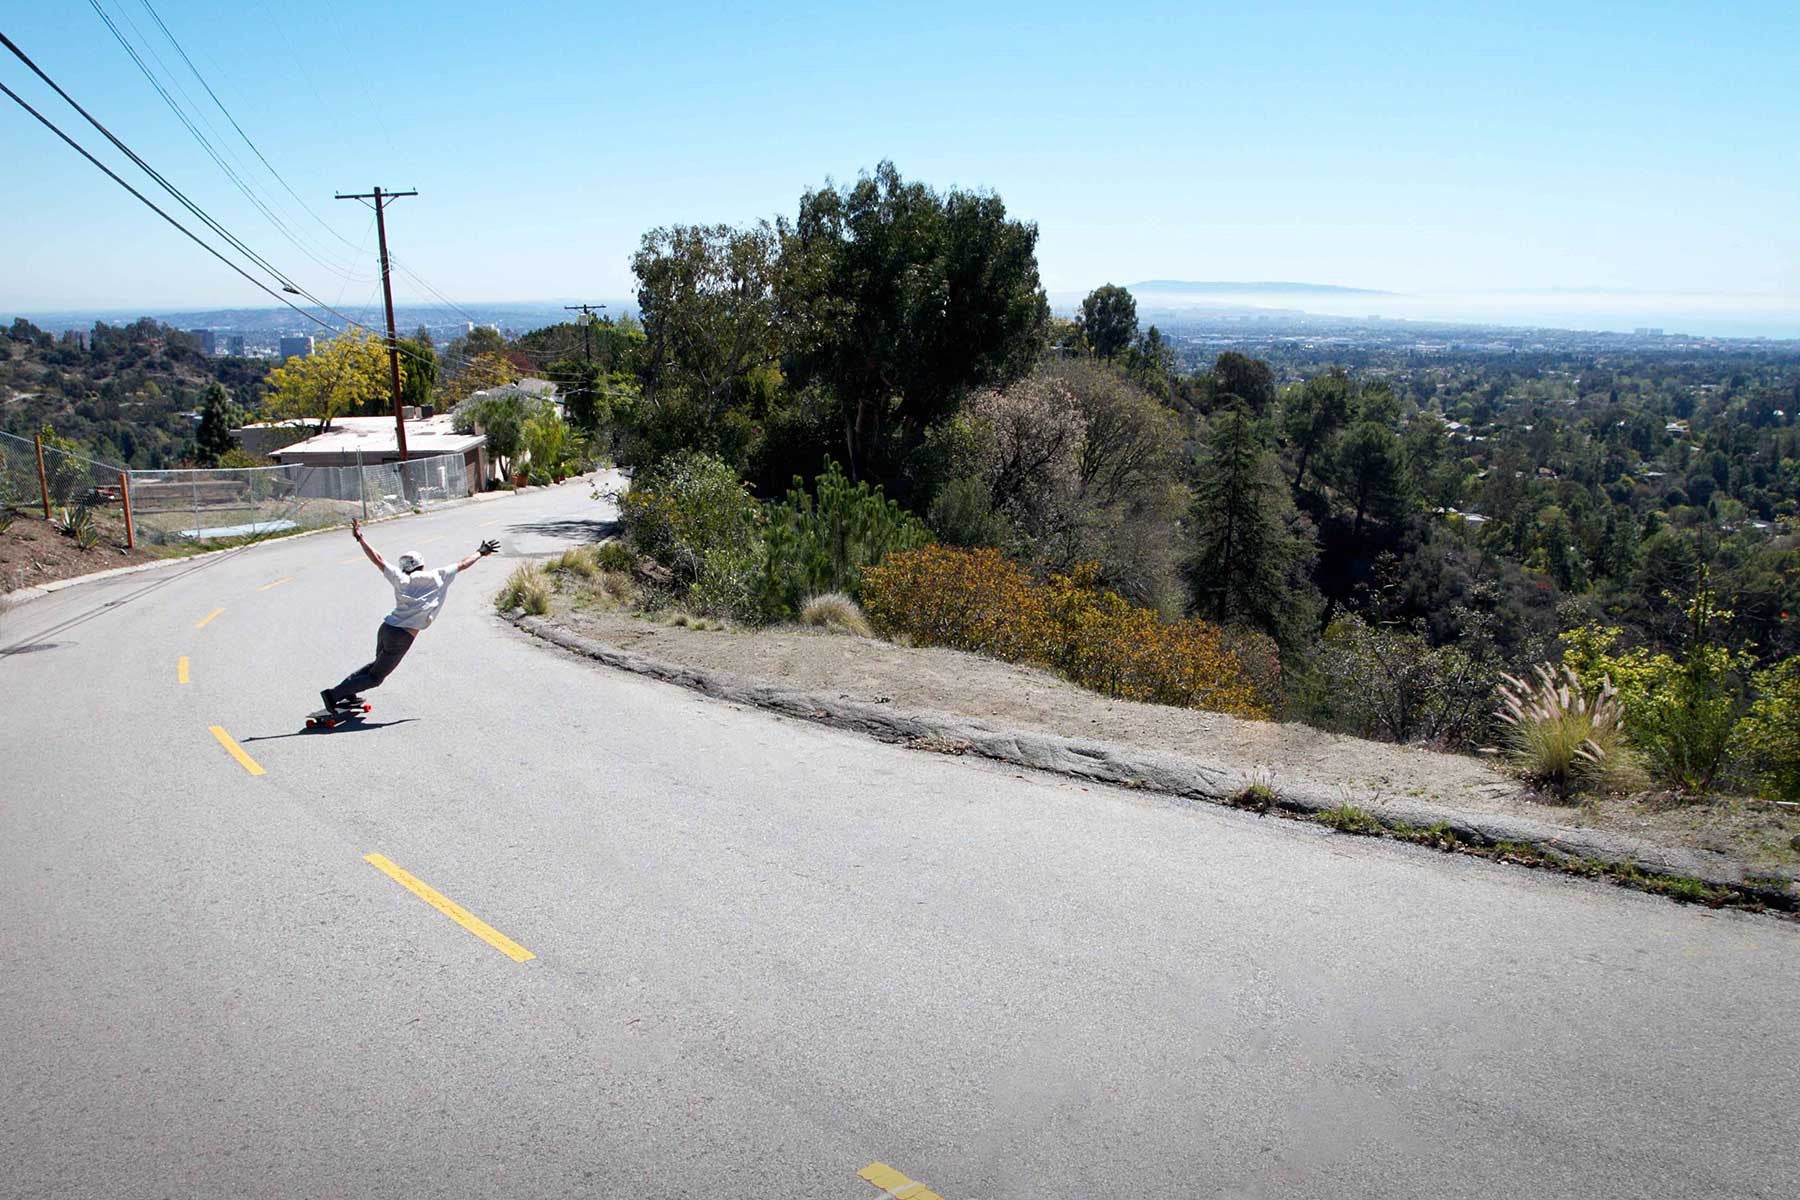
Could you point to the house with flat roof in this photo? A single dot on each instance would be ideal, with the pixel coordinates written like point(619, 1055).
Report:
point(367, 441)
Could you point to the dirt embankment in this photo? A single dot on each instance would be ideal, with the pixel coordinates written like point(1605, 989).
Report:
point(1012, 696)
point(32, 552)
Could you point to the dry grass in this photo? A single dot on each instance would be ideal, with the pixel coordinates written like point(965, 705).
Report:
point(528, 587)
point(614, 555)
point(607, 591)
point(687, 620)
point(836, 612)
point(1561, 736)
point(580, 561)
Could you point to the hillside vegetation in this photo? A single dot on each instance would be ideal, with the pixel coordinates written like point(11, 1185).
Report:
point(131, 396)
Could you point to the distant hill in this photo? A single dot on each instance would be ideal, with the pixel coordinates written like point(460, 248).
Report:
point(126, 394)
point(1191, 288)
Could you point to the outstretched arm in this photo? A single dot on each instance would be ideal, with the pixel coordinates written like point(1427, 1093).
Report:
point(374, 556)
point(487, 548)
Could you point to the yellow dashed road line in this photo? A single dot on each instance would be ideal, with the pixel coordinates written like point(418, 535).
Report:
point(440, 537)
point(485, 524)
point(236, 751)
point(896, 1184)
point(344, 562)
point(181, 672)
point(450, 908)
point(202, 623)
point(284, 579)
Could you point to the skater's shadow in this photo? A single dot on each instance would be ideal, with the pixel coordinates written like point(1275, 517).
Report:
point(322, 731)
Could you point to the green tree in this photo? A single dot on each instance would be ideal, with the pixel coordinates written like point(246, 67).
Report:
point(1109, 319)
point(218, 417)
point(483, 339)
point(707, 297)
point(1619, 548)
point(1370, 473)
point(902, 300)
point(419, 376)
point(1241, 549)
point(1249, 379)
point(480, 374)
point(1311, 415)
point(580, 384)
point(1150, 362)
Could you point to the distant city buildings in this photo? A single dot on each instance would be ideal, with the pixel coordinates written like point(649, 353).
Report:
point(295, 347)
point(234, 345)
point(1647, 331)
point(205, 338)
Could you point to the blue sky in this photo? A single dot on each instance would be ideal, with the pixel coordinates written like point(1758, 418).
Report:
point(1423, 148)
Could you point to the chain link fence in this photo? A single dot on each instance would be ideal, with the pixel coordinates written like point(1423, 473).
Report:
point(213, 504)
point(71, 489)
point(219, 503)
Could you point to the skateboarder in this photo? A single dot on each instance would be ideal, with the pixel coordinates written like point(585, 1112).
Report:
point(418, 595)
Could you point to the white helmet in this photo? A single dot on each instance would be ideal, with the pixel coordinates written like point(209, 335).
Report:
point(410, 562)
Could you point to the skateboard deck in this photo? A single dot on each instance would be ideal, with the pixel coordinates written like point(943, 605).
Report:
point(331, 718)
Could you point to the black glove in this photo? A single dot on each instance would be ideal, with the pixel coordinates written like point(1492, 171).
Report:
point(488, 547)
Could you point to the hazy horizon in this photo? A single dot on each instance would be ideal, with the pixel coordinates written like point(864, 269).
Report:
point(1701, 315)
point(1464, 159)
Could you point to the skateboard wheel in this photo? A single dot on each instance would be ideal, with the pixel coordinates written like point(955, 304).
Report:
point(310, 722)
point(368, 708)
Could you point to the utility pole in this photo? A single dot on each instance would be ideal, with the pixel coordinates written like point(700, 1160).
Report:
point(587, 322)
point(382, 198)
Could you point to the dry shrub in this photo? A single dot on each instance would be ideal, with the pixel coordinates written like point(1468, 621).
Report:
point(978, 600)
point(529, 588)
point(608, 590)
point(836, 612)
point(614, 555)
point(1560, 735)
point(1260, 658)
point(581, 561)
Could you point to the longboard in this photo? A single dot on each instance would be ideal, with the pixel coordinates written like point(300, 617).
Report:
point(331, 718)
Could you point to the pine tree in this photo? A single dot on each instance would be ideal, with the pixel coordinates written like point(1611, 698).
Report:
point(1241, 547)
point(1619, 555)
point(218, 416)
point(1372, 474)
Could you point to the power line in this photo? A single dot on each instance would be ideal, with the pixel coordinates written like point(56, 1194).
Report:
point(287, 284)
point(147, 168)
point(188, 233)
point(281, 277)
point(200, 138)
point(153, 207)
point(155, 16)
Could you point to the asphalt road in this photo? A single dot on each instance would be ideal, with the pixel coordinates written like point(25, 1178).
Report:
point(764, 954)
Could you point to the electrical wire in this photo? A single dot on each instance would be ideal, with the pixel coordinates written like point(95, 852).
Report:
point(233, 240)
point(200, 138)
point(541, 359)
point(254, 148)
point(153, 207)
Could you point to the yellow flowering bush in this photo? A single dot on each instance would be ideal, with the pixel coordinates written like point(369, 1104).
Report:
point(979, 600)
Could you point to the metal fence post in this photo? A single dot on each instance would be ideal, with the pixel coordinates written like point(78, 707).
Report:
point(195, 480)
point(125, 495)
point(37, 439)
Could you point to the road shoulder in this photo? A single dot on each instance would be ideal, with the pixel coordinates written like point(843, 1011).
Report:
point(1274, 784)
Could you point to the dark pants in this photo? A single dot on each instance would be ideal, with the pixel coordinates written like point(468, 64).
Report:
point(391, 645)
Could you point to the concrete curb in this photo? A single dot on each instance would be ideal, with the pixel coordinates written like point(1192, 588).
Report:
point(1176, 775)
point(21, 596)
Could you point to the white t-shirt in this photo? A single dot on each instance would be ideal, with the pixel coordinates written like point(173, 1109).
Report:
point(417, 597)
